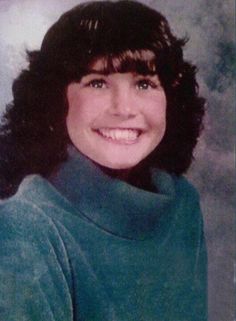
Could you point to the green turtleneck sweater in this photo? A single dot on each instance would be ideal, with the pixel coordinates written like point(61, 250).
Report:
point(87, 247)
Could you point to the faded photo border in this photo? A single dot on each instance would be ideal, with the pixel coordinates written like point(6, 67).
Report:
point(210, 27)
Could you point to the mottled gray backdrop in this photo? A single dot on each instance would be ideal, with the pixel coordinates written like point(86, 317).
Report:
point(210, 26)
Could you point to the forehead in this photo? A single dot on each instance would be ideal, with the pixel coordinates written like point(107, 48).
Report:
point(139, 61)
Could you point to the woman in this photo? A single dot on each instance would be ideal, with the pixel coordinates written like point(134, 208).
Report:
point(98, 223)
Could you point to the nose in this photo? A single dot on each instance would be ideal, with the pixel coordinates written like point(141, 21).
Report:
point(122, 102)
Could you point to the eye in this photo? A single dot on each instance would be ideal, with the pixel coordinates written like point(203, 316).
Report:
point(145, 84)
point(97, 83)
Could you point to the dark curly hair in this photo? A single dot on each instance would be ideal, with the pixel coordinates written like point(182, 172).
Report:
point(33, 135)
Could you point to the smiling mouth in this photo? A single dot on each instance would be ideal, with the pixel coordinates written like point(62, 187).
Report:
point(120, 135)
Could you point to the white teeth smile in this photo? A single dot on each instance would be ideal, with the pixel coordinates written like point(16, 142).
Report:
point(124, 134)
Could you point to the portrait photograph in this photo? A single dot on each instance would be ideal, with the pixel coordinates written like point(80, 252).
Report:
point(117, 160)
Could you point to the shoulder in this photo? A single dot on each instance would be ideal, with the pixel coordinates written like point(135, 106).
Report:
point(185, 189)
point(39, 212)
point(25, 212)
point(188, 221)
point(26, 229)
point(187, 203)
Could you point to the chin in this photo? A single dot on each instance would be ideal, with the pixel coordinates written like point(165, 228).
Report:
point(120, 166)
point(113, 164)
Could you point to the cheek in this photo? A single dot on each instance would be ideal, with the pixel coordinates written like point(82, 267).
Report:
point(155, 112)
point(73, 118)
point(80, 111)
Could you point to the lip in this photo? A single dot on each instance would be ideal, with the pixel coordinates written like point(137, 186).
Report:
point(119, 135)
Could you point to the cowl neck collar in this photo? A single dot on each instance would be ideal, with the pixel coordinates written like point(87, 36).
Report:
point(112, 204)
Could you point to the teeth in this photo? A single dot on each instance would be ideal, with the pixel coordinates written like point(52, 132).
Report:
point(119, 134)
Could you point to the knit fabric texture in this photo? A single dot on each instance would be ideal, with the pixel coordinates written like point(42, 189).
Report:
point(83, 246)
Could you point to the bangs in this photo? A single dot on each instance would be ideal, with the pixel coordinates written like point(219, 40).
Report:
point(138, 61)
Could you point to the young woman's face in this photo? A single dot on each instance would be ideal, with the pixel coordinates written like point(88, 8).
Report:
point(118, 119)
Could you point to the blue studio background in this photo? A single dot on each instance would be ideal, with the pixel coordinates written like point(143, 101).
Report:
point(210, 27)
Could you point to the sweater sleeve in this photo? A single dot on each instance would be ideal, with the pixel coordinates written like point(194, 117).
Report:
point(34, 268)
